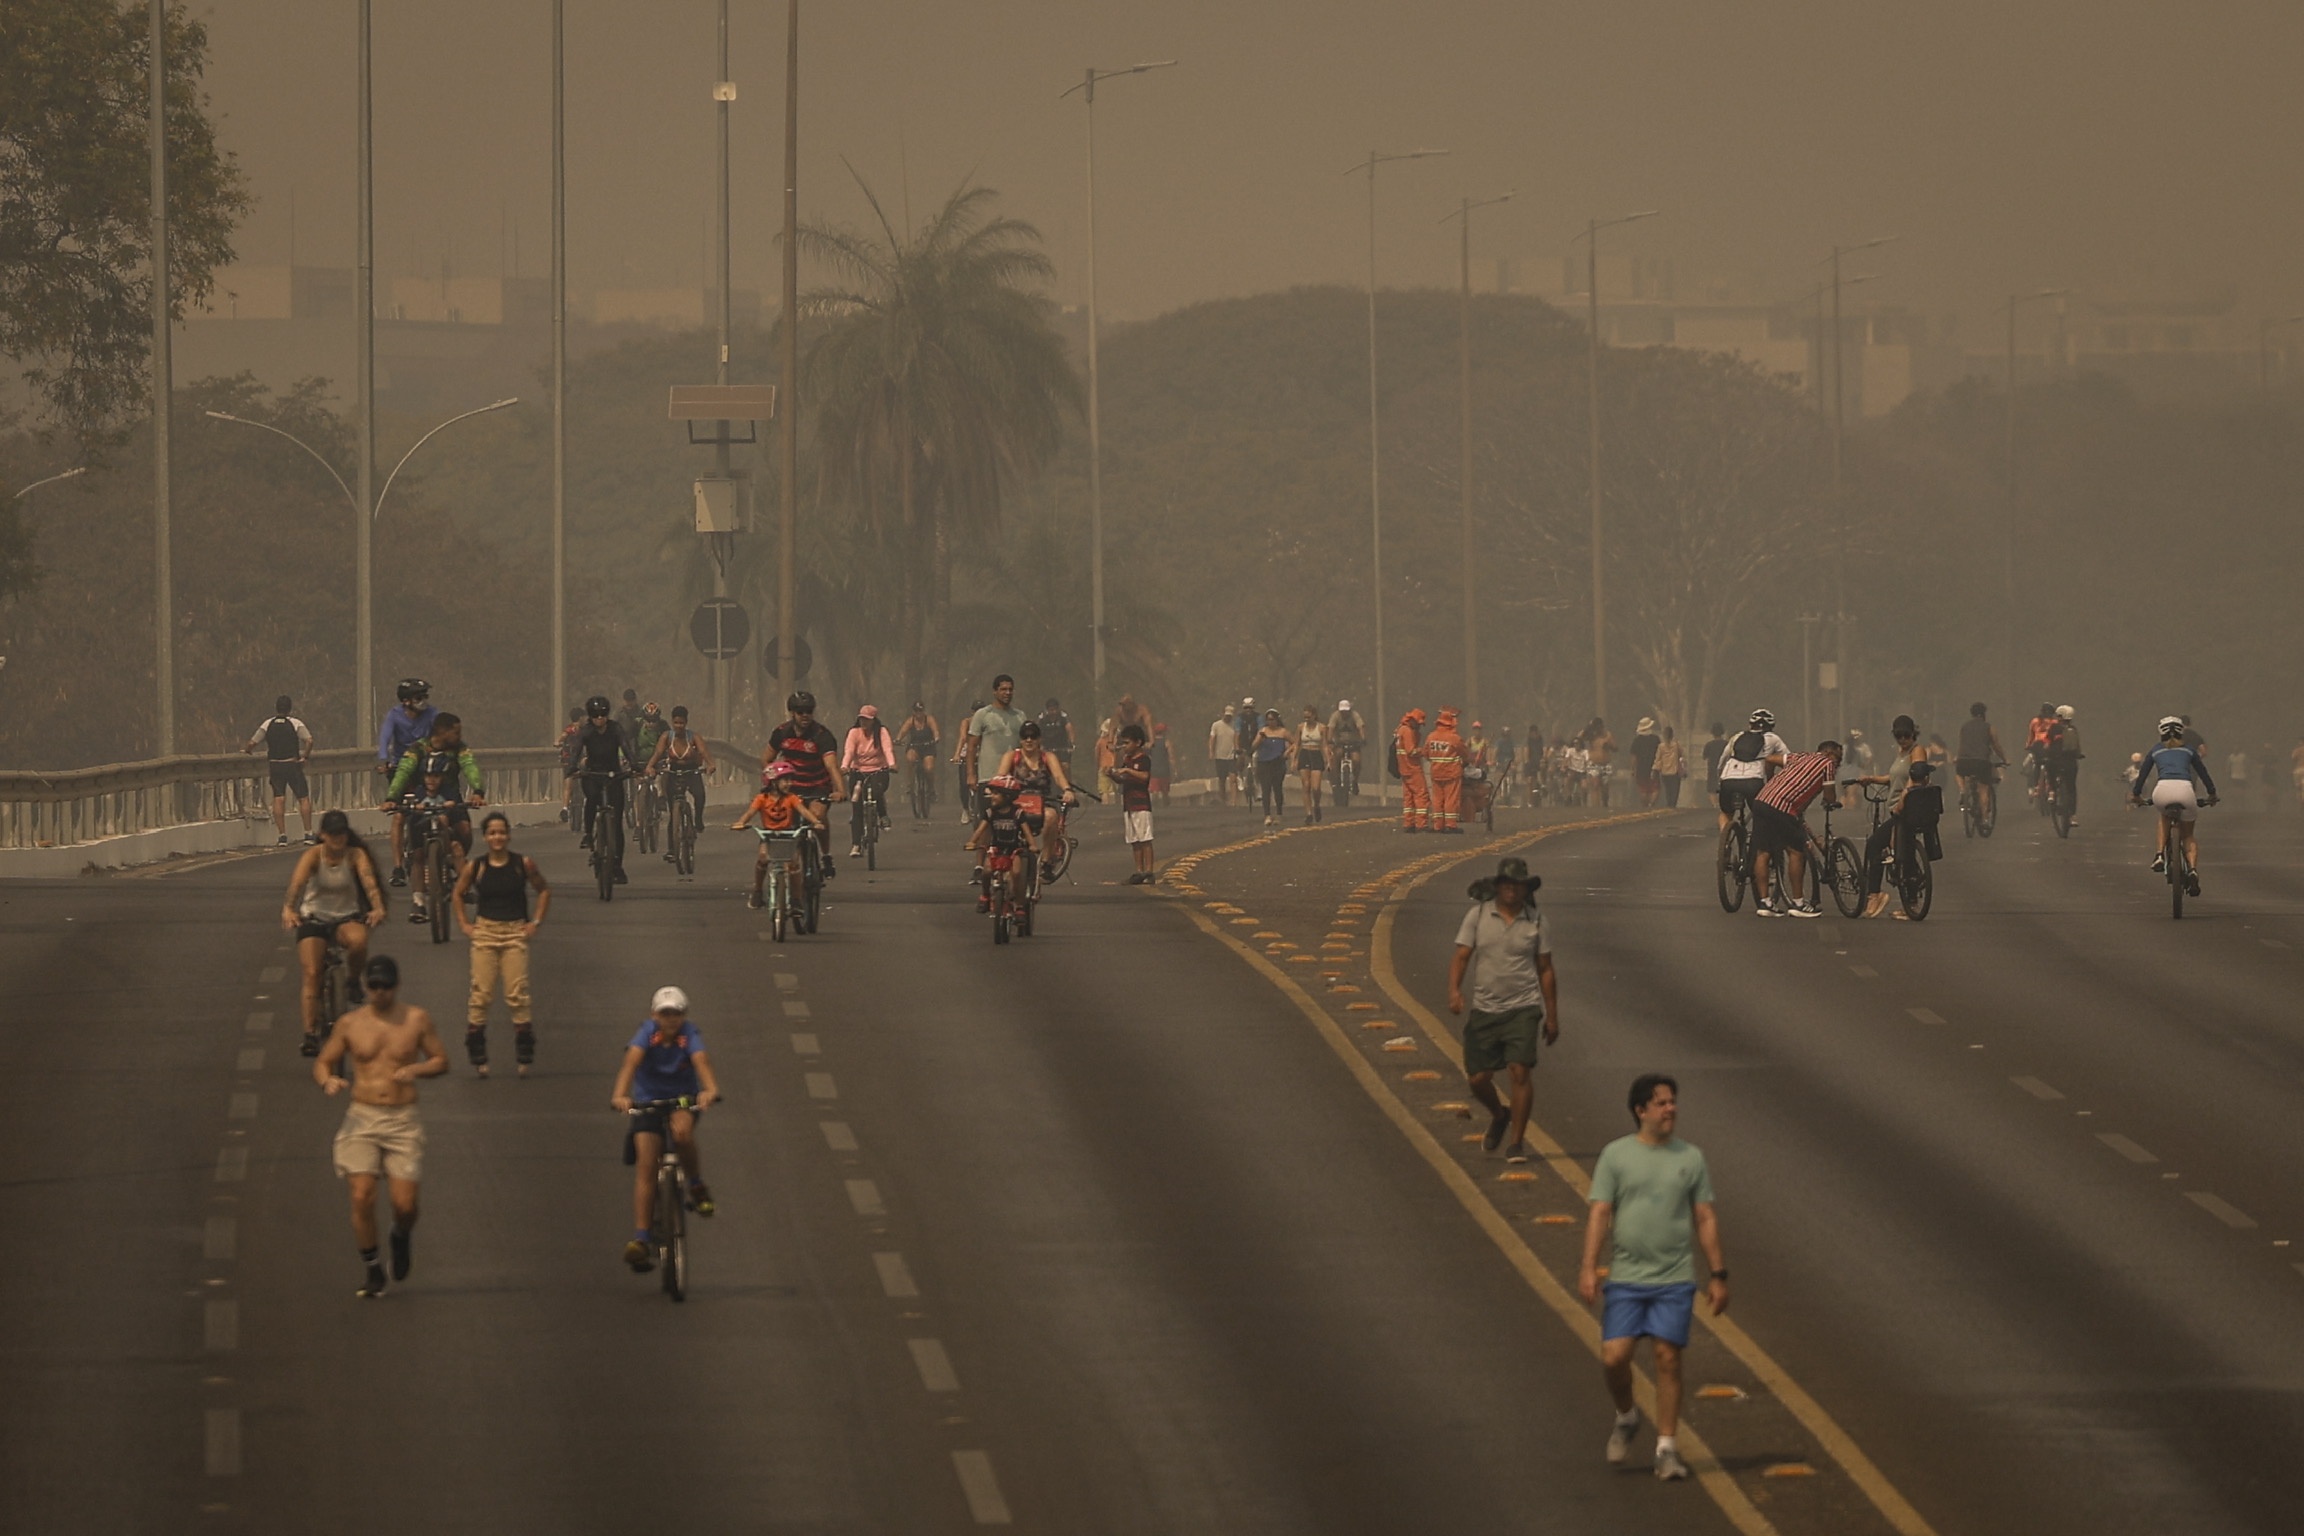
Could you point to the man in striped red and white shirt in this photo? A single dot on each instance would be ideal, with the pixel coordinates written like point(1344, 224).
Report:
point(1777, 826)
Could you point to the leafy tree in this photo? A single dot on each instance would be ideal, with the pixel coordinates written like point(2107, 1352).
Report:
point(937, 385)
point(75, 198)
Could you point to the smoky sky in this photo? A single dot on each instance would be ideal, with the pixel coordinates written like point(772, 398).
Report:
point(2130, 145)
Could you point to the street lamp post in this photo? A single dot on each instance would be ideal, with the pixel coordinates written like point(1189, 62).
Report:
point(1840, 619)
point(1591, 238)
point(1463, 215)
point(364, 387)
point(163, 391)
point(1087, 90)
point(2008, 520)
point(2264, 330)
point(559, 699)
point(1375, 482)
point(363, 666)
point(788, 429)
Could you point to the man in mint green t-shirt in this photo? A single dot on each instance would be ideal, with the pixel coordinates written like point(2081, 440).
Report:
point(1651, 1204)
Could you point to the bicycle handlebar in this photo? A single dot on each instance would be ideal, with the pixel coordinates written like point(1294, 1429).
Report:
point(685, 1101)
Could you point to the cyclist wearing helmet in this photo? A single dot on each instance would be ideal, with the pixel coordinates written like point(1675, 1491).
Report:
point(665, 1060)
point(602, 755)
point(2178, 775)
point(778, 810)
point(1000, 832)
point(1744, 766)
point(814, 754)
point(1979, 761)
point(407, 727)
point(2064, 756)
point(445, 741)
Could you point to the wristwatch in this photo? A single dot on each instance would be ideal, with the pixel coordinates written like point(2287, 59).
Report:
point(1720, 1275)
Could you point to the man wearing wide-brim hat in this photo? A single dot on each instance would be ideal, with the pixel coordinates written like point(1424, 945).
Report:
point(1515, 998)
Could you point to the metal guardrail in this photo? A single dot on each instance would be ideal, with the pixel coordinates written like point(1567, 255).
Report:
point(85, 805)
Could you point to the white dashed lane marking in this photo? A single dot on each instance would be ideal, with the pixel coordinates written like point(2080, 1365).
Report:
point(243, 1107)
point(935, 1366)
point(820, 1086)
point(786, 981)
point(838, 1136)
point(796, 1010)
point(1864, 971)
point(251, 1059)
point(2130, 1150)
point(981, 1488)
point(221, 1238)
point(221, 1327)
point(806, 1045)
point(865, 1196)
point(2036, 1088)
point(223, 1442)
point(270, 974)
point(1925, 1016)
point(2223, 1210)
point(258, 1023)
point(895, 1275)
point(231, 1165)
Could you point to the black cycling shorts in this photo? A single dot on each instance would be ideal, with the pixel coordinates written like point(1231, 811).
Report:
point(652, 1122)
point(1734, 792)
point(320, 927)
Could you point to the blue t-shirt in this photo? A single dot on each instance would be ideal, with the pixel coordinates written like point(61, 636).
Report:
point(667, 1071)
point(401, 731)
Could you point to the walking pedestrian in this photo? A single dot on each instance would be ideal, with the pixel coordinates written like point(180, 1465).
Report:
point(1133, 771)
point(1407, 766)
point(287, 745)
point(498, 883)
point(1311, 760)
point(1223, 749)
point(1651, 1209)
point(1515, 998)
point(1599, 759)
point(1671, 767)
point(391, 1044)
point(1272, 750)
point(1243, 763)
point(1645, 743)
point(1444, 761)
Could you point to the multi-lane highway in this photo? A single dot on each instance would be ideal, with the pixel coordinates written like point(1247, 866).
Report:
point(1124, 1228)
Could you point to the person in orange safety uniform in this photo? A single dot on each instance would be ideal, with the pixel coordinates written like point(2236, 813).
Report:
point(1415, 789)
point(1444, 759)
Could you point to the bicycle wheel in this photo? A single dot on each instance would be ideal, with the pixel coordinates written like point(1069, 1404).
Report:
point(1847, 877)
point(1915, 879)
point(683, 841)
point(1059, 858)
point(779, 903)
point(1000, 910)
point(871, 834)
point(331, 981)
point(2178, 872)
point(1732, 869)
point(810, 905)
point(607, 837)
point(443, 889)
point(2060, 811)
point(672, 1213)
point(1031, 902)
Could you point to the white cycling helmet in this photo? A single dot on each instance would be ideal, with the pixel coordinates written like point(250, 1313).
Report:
point(2171, 725)
point(668, 1000)
point(2063, 711)
point(1343, 706)
point(1762, 720)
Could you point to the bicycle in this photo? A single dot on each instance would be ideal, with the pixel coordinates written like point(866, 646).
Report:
point(668, 1213)
point(2181, 876)
point(607, 833)
point(868, 797)
point(425, 836)
point(1975, 822)
point(920, 780)
point(1011, 913)
point(777, 893)
point(680, 826)
point(1732, 868)
point(1909, 871)
point(1062, 845)
point(643, 813)
point(2057, 801)
point(1347, 782)
point(1477, 787)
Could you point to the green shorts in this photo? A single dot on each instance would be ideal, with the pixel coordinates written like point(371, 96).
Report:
point(1493, 1041)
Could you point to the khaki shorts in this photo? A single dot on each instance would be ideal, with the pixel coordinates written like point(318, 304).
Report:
point(381, 1138)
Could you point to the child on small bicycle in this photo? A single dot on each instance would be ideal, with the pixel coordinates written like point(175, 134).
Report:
point(665, 1061)
point(781, 813)
point(1001, 832)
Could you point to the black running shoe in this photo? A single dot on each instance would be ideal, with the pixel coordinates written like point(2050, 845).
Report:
point(400, 1254)
point(621, 877)
point(399, 877)
point(311, 1045)
point(375, 1286)
point(1496, 1129)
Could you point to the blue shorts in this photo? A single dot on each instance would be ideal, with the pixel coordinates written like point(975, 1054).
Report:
point(1664, 1312)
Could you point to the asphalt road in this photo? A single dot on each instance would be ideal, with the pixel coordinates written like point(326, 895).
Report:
point(1095, 1233)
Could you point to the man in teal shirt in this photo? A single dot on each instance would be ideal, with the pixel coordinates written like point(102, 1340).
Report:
point(1651, 1204)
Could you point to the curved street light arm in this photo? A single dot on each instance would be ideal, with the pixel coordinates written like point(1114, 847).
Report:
point(51, 480)
point(350, 500)
point(427, 437)
point(1489, 202)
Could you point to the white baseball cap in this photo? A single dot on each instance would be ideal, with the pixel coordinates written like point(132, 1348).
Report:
point(1343, 705)
point(670, 999)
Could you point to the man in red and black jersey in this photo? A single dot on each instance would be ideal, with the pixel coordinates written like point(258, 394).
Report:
point(814, 755)
point(1777, 826)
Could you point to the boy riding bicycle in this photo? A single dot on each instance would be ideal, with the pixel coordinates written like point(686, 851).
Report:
point(1001, 833)
point(664, 1061)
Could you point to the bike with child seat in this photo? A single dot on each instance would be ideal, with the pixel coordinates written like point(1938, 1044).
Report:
point(668, 1211)
point(1908, 871)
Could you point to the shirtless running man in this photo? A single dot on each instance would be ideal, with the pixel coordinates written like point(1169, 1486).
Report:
point(391, 1045)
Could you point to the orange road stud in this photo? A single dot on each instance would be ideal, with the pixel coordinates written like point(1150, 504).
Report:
point(1460, 1111)
point(1556, 1220)
point(1790, 1469)
point(1378, 1024)
point(1401, 1043)
point(1300, 960)
point(1268, 933)
point(1420, 1075)
point(1473, 1136)
point(1356, 1007)
point(1515, 1176)
point(1722, 1394)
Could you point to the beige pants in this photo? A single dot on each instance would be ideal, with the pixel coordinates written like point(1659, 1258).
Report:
point(498, 949)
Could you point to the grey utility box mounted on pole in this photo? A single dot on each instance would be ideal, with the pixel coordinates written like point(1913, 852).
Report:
point(720, 497)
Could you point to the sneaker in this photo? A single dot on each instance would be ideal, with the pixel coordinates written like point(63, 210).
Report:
point(1517, 1152)
point(2159, 863)
point(700, 1197)
point(1621, 1437)
point(375, 1286)
point(1875, 905)
point(621, 878)
point(399, 878)
point(755, 901)
point(1806, 909)
point(418, 915)
point(584, 841)
point(1768, 909)
point(2191, 882)
point(1496, 1129)
point(670, 857)
point(983, 903)
point(312, 839)
point(855, 850)
point(1669, 1467)
point(563, 813)
point(311, 1045)
point(639, 1256)
point(401, 1259)
point(283, 842)
point(831, 870)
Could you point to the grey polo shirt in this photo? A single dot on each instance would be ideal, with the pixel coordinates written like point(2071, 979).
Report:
point(1504, 957)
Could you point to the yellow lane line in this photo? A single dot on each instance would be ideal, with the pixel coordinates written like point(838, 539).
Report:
point(1837, 1442)
point(1732, 1501)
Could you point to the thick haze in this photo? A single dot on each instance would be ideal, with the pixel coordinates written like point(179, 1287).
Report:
point(2084, 143)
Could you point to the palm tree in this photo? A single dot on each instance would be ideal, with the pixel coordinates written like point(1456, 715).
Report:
point(937, 384)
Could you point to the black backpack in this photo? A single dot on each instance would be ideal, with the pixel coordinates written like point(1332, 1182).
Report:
point(1392, 757)
point(1749, 746)
point(281, 743)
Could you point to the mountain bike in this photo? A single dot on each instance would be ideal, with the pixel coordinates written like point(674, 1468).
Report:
point(920, 780)
point(1732, 865)
point(869, 796)
point(668, 1213)
point(1846, 868)
point(644, 809)
point(1909, 872)
point(1011, 913)
point(1978, 821)
point(425, 835)
point(2182, 878)
point(607, 832)
point(680, 827)
point(1346, 783)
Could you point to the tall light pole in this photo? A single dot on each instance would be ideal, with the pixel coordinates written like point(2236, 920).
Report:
point(1463, 215)
point(559, 699)
point(1087, 90)
point(163, 391)
point(364, 387)
point(788, 407)
point(1591, 238)
point(2264, 329)
point(723, 97)
point(1840, 619)
point(2008, 520)
point(1375, 481)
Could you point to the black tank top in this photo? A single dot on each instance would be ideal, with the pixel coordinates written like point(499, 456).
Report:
point(503, 892)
